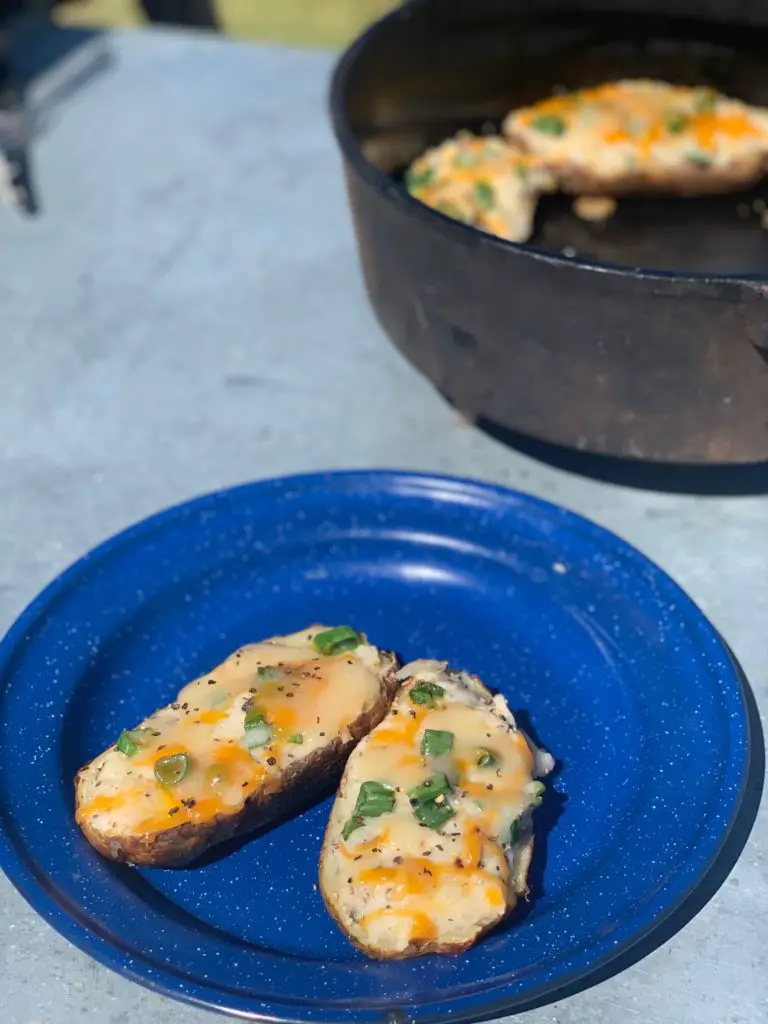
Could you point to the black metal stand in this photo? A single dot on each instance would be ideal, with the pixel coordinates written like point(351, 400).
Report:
point(14, 142)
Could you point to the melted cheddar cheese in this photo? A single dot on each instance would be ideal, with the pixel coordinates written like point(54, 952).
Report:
point(305, 699)
point(396, 883)
point(627, 127)
point(482, 181)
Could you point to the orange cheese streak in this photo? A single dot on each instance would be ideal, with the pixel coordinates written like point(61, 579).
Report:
point(473, 849)
point(210, 717)
point(495, 896)
point(283, 719)
point(651, 137)
point(419, 877)
point(100, 805)
point(614, 135)
point(707, 126)
point(525, 751)
point(422, 926)
point(233, 756)
point(159, 818)
point(404, 733)
point(414, 877)
point(410, 761)
point(369, 844)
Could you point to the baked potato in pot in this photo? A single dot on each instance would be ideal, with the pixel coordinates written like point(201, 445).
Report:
point(643, 136)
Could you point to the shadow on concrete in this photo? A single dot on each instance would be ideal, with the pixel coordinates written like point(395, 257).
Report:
point(671, 478)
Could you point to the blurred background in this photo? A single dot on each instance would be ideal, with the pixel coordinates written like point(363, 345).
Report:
point(321, 23)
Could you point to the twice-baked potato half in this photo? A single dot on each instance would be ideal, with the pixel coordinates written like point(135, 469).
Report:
point(244, 744)
point(429, 839)
point(482, 181)
point(643, 136)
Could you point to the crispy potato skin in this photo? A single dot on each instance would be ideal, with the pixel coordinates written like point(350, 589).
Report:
point(421, 948)
point(678, 180)
point(177, 846)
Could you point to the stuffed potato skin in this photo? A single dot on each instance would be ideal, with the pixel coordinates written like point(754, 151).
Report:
point(429, 841)
point(641, 136)
point(255, 739)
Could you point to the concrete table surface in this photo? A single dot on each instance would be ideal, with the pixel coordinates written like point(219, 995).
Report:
point(164, 326)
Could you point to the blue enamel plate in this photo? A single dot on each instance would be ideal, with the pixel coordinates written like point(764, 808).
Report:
point(617, 672)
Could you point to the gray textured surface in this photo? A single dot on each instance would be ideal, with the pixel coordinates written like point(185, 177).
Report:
point(164, 324)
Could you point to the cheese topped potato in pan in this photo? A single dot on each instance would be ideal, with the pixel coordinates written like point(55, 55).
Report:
point(429, 840)
point(642, 136)
point(482, 181)
point(239, 747)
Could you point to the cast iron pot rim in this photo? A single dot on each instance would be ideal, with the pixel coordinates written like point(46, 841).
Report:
point(466, 233)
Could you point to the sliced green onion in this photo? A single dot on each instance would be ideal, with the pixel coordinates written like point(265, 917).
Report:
point(418, 179)
point(436, 742)
point(126, 743)
point(257, 732)
point(373, 800)
point(484, 195)
point(296, 738)
point(428, 801)
point(433, 815)
point(449, 210)
point(705, 100)
point(130, 741)
point(514, 832)
point(170, 771)
point(267, 673)
point(257, 735)
point(426, 693)
point(338, 640)
point(485, 759)
point(522, 171)
point(549, 124)
point(698, 159)
point(351, 826)
point(437, 785)
point(676, 123)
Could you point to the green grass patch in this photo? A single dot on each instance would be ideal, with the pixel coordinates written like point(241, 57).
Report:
point(318, 23)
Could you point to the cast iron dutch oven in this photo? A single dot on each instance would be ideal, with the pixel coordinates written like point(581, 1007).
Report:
point(646, 337)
